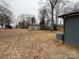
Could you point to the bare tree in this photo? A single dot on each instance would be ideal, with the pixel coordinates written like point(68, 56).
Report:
point(25, 20)
point(6, 16)
point(76, 6)
point(52, 4)
point(60, 4)
point(56, 7)
point(43, 15)
point(51, 7)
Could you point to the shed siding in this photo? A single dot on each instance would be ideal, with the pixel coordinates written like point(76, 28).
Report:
point(72, 31)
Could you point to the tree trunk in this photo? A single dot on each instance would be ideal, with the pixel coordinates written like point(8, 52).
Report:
point(56, 18)
point(52, 21)
point(2, 26)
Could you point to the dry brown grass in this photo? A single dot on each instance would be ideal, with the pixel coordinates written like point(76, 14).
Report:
point(23, 44)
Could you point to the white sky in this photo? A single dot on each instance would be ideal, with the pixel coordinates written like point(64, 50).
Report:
point(25, 6)
point(74, 1)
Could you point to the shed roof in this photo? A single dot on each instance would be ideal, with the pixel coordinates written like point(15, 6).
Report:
point(73, 13)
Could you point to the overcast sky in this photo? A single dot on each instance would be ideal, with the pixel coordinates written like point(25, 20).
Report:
point(26, 6)
point(19, 7)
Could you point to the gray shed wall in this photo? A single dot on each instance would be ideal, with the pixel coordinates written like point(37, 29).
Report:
point(71, 35)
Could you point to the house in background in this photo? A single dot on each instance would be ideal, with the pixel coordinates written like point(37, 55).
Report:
point(71, 28)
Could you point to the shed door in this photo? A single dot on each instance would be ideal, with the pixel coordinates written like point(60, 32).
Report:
point(72, 30)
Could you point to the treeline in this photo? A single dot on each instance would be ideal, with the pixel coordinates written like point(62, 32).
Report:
point(25, 21)
point(48, 14)
point(51, 9)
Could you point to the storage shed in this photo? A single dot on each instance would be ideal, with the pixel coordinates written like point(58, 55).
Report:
point(71, 28)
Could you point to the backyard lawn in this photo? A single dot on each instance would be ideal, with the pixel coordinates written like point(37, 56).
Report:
point(25, 44)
